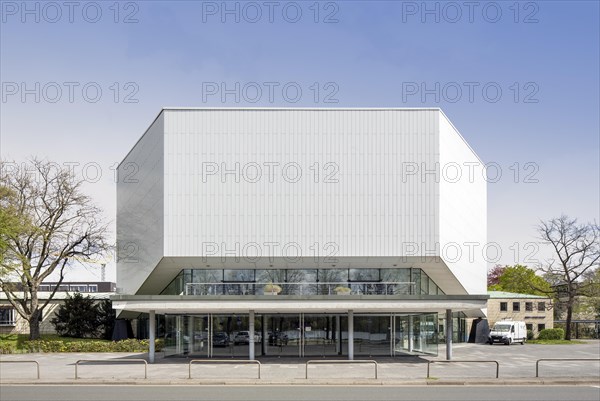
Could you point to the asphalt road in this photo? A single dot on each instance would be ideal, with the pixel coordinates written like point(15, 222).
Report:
point(297, 393)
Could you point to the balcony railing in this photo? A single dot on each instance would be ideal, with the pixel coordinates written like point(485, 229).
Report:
point(252, 288)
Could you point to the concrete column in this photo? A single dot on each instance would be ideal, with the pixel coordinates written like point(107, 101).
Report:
point(449, 331)
point(151, 335)
point(251, 339)
point(265, 335)
point(338, 336)
point(350, 335)
point(191, 346)
point(179, 336)
point(411, 322)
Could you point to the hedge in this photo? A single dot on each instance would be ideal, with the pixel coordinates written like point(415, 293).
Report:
point(130, 345)
point(551, 334)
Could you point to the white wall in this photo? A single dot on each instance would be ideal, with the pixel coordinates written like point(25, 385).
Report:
point(140, 208)
point(369, 212)
point(373, 211)
point(463, 210)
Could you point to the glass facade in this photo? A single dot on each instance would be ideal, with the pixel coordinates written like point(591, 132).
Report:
point(300, 334)
point(302, 282)
point(297, 335)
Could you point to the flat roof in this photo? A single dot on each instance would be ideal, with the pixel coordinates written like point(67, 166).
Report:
point(186, 304)
point(302, 108)
point(504, 294)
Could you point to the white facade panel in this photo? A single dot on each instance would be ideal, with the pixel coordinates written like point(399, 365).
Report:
point(140, 209)
point(463, 210)
point(370, 187)
point(309, 180)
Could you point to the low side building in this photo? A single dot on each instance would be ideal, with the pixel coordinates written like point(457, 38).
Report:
point(12, 323)
point(534, 310)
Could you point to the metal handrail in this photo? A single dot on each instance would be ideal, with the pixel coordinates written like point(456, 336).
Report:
point(460, 361)
point(237, 362)
point(328, 362)
point(113, 361)
point(31, 361)
point(254, 288)
point(537, 363)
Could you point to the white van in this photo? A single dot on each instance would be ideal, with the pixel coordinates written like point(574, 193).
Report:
point(508, 332)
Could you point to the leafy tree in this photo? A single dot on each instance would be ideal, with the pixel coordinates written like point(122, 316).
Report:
point(106, 319)
point(522, 280)
point(10, 221)
point(77, 317)
point(57, 222)
point(577, 248)
point(493, 277)
point(590, 289)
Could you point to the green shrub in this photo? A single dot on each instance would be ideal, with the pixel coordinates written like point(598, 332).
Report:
point(6, 348)
point(130, 345)
point(77, 317)
point(551, 334)
point(529, 334)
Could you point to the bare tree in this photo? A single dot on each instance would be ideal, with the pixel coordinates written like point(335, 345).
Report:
point(578, 251)
point(62, 223)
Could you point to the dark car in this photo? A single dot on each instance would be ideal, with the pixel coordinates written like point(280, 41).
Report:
point(278, 338)
point(220, 339)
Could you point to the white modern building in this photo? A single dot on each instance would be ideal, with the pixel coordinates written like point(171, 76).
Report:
point(307, 232)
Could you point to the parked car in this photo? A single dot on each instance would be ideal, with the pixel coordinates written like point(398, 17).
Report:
point(220, 339)
point(278, 338)
point(243, 337)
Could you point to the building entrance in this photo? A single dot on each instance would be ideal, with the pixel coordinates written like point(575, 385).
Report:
point(298, 335)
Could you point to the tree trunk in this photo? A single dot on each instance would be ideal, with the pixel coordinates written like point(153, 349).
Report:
point(34, 325)
point(569, 316)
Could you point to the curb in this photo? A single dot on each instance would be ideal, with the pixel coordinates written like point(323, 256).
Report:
point(314, 382)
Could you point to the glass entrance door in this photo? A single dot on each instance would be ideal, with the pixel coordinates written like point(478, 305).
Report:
point(372, 335)
point(303, 335)
point(321, 335)
point(415, 334)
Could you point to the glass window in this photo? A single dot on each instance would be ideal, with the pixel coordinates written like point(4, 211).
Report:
point(503, 306)
point(541, 306)
point(395, 275)
point(416, 279)
point(301, 282)
point(528, 306)
point(239, 275)
point(93, 288)
point(541, 326)
point(333, 275)
point(276, 276)
point(529, 326)
point(424, 283)
point(7, 316)
point(79, 288)
point(399, 276)
point(301, 276)
point(175, 287)
point(516, 306)
point(202, 276)
point(364, 275)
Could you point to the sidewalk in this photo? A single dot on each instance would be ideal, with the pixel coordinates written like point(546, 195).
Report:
point(517, 366)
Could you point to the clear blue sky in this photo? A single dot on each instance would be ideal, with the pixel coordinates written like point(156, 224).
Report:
point(543, 56)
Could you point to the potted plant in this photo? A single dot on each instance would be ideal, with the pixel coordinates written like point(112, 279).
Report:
point(271, 289)
point(341, 290)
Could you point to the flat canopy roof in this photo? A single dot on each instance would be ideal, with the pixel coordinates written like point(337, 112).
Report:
point(175, 304)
